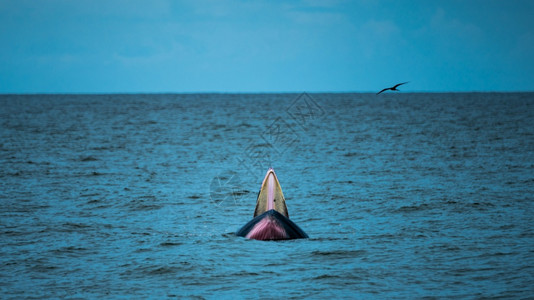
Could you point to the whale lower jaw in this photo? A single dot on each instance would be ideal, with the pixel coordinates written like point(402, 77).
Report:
point(271, 225)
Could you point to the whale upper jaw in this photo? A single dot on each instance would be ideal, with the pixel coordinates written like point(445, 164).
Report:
point(271, 196)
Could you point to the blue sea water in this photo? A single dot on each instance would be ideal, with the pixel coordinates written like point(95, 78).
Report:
point(139, 196)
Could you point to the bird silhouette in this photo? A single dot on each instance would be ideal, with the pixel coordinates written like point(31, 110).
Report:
point(393, 88)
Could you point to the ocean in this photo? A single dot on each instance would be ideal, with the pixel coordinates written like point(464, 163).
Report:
point(403, 195)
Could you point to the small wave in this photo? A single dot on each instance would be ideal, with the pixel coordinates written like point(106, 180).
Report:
point(142, 250)
point(217, 126)
point(42, 268)
point(245, 274)
point(328, 238)
point(157, 270)
point(101, 148)
point(13, 233)
point(71, 225)
point(229, 235)
point(144, 203)
point(327, 276)
point(161, 271)
point(88, 158)
point(445, 247)
point(69, 250)
point(414, 208)
point(90, 195)
point(170, 244)
point(481, 205)
point(339, 253)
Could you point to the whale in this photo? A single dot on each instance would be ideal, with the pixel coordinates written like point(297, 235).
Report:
point(271, 217)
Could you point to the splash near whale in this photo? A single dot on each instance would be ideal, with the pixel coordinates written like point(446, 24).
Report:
point(271, 218)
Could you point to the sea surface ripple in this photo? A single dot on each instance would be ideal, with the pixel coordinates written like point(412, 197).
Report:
point(139, 196)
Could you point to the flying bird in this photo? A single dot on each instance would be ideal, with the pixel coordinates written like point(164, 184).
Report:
point(393, 88)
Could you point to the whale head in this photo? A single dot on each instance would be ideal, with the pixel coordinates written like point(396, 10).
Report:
point(271, 219)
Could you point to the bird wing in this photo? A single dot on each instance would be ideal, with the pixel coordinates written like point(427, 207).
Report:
point(383, 90)
point(399, 84)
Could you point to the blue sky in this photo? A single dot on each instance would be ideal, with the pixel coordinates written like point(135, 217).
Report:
point(163, 46)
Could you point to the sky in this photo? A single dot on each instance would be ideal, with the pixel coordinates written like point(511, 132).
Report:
point(232, 46)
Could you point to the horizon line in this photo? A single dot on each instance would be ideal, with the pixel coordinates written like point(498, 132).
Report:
point(257, 93)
